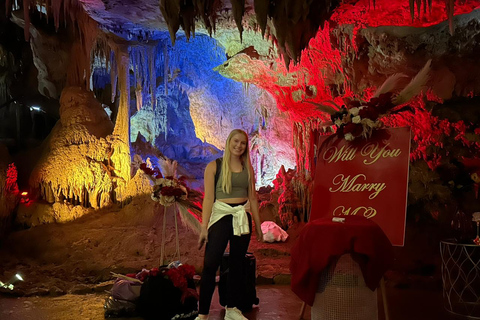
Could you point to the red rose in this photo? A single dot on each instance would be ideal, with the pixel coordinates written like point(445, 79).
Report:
point(171, 192)
point(154, 272)
point(355, 129)
point(368, 113)
point(182, 180)
point(382, 103)
point(352, 103)
point(177, 278)
point(156, 173)
point(187, 270)
point(142, 275)
point(385, 99)
point(339, 132)
point(148, 171)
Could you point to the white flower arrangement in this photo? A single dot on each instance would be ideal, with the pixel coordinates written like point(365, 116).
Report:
point(476, 217)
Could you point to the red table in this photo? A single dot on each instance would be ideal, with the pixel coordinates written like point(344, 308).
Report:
point(323, 241)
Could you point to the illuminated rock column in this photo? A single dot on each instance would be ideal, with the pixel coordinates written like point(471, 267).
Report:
point(121, 141)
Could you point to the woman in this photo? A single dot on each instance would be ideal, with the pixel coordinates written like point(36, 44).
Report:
point(224, 220)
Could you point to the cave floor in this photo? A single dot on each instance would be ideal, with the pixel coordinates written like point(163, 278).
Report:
point(67, 267)
point(276, 302)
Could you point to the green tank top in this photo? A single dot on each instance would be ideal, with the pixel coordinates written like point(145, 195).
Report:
point(239, 186)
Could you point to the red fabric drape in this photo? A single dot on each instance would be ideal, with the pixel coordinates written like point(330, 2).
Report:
point(322, 241)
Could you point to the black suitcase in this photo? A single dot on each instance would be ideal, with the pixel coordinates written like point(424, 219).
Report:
point(249, 296)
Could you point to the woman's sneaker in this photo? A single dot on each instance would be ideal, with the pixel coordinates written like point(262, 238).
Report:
point(234, 314)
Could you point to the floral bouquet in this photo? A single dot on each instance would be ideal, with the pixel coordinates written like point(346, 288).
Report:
point(180, 277)
point(169, 190)
point(358, 119)
point(167, 292)
point(178, 273)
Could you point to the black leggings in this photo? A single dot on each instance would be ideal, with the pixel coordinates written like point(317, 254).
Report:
point(219, 234)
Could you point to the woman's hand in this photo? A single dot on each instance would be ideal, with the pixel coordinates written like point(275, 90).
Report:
point(203, 237)
point(259, 234)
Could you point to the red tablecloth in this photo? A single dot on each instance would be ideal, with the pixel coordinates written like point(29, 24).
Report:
point(322, 241)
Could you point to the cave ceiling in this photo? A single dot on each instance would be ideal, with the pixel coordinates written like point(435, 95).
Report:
point(358, 44)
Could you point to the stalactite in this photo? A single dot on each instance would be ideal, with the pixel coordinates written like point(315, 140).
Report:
point(80, 56)
point(238, 8)
point(113, 76)
point(450, 8)
point(305, 137)
point(121, 143)
point(245, 86)
point(49, 196)
point(56, 6)
point(280, 23)
point(136, 63)
point(305, 141)
point(303, 190)
point(153, 76)
point(100, 54)
point(3, 89)
point(171, 13)
point(8, 8)
point(144, 72)
point(139, 95)
point(187, 10)
point(207, 11)
point(165, 70)
point(261, 12)
point(26, 14)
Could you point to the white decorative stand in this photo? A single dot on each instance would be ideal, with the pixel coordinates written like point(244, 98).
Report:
point(164, 229)
point(344, 296)
point(461, 278)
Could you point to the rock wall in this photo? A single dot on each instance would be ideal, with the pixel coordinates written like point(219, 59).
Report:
point(197, 107)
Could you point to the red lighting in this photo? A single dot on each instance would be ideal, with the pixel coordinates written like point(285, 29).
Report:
point(24, 197)
point(396, 13)
point(11, 183)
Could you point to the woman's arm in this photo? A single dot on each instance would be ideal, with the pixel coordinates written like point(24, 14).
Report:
point(252, 197)
point(209, 196)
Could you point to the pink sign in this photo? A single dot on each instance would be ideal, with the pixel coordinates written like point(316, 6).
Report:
point(365, 178)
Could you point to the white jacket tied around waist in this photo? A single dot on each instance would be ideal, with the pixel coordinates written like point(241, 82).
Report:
point(240, 220)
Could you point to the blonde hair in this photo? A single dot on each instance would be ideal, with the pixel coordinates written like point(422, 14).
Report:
point(226, 170)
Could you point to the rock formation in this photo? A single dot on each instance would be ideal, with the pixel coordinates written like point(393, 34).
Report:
point(184, 93)
point(77, 165)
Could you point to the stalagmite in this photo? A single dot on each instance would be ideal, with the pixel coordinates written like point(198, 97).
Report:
point(76, 150)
